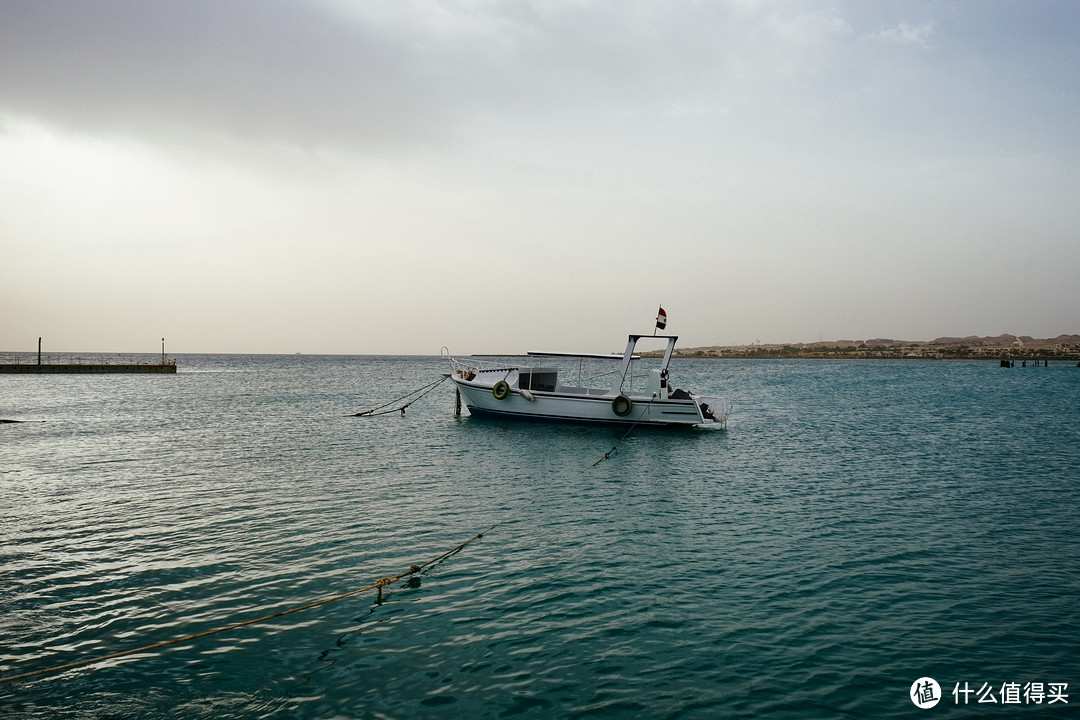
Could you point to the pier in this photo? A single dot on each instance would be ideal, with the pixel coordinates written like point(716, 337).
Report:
point(88, 368)
point(97, 363)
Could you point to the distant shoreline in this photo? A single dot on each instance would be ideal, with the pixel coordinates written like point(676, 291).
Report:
point(945, 356)
point(1002, 347)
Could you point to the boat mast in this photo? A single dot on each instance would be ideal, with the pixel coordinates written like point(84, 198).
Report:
point(628, 356)
point(671, 339)
point(624, 366)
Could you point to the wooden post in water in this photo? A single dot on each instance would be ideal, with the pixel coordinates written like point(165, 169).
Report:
point(39, 351)
point(457, 402)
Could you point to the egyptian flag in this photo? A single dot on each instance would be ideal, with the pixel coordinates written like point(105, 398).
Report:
point(661, 319)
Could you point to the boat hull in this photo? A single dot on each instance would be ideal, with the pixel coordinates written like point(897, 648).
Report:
point(578, 408)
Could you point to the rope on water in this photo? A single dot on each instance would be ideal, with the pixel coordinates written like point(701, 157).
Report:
point(381, 411)
point(378, 586)
point(615, 448)
point(606, 456)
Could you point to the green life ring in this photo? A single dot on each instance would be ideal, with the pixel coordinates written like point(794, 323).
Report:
point(501, 390)
point(621, 406)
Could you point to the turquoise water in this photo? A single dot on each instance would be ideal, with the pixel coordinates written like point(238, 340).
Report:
point(858, 526)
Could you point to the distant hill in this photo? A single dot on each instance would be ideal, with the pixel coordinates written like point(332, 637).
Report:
point(1063, 347)
point(1002, 341)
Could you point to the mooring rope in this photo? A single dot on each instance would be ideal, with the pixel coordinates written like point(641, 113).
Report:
point(380, 411)
point(378, 586)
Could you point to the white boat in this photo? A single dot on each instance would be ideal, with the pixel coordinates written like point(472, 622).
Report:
point(535, 392)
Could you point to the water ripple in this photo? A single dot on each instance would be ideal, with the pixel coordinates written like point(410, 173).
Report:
point(858, 526)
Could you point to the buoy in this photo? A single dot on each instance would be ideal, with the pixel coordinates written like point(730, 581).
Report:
point(501, 390)
point(621, 406)
point(527, 395)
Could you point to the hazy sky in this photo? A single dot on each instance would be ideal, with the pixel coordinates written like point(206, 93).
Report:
point(391, 177)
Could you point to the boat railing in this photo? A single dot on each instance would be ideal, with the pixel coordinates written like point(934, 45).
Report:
point(469, 368)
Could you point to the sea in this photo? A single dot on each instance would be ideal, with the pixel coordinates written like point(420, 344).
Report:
point(863, 540)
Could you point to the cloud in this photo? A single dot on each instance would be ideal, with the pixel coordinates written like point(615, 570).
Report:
point(357, 152)
point(381, 76)
point(907, 34)
point(279, 71)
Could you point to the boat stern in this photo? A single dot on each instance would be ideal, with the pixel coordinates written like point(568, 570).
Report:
point(714, 410)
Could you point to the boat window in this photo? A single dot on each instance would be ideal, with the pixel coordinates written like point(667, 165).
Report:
point(537, 379)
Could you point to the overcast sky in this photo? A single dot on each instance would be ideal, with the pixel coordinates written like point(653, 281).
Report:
point(390, 177)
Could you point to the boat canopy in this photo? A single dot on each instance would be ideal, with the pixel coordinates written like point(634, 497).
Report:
point(597, 356)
